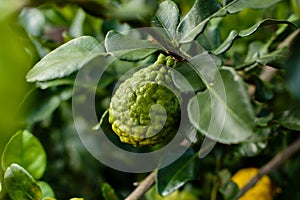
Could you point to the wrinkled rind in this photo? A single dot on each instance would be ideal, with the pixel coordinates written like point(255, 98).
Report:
point(145, 109)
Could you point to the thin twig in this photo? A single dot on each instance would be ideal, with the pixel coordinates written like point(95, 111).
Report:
point(143, 187)
point(288, 42)
point(271, 165)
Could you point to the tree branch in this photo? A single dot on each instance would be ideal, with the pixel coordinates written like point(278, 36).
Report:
point(271, 165)
point(143, 187)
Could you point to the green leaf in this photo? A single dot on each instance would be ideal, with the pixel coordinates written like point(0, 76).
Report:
point(167, 17)
point(44, 109)
point(48, 105)
point(33, 21)
point(20, 184)
point(134, 11)
point(205, 110)
point(229, 190)
point(211, 37)
point(264, 119)
point(128, 48)
point(46, 189)
point(250, 149)
point(77, 26)
point(53, 83)
point(227, 43)
point(233, 35)
point(197, 18)
point(276, 58)
point(255, 50)
point(290, 119)
point(238, 5)
point(25, 150)
point(189, 81)
point(175, 175)
point(108, 192)
point(65, 60)
point(266, 22)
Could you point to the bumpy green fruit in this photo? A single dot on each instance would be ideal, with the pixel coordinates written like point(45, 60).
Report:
point(145, 109)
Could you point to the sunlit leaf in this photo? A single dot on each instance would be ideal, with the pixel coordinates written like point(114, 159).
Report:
point(65, 60)
point(46, 189)
point(128, 48)
point(196, 19)
point(20, 184)
point(167, 17)
point(238, 5)
point(25, 150)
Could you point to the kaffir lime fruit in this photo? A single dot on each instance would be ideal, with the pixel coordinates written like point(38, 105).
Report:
point(261, 191)
point(145, 109)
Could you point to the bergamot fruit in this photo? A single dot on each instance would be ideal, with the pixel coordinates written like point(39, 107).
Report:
point(145, 109)
point(261, 191)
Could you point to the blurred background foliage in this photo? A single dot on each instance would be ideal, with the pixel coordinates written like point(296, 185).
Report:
point(31, 29)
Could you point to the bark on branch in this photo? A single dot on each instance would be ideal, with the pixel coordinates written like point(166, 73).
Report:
point(271, 165)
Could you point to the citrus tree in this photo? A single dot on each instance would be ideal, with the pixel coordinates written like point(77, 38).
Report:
point(150, 99)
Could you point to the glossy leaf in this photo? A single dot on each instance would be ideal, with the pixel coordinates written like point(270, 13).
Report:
point(127, 47)
point(227, 43)
point(167, 17)
point(238, 5)
point(65, 60)
point(290, 119)
point(266, 22)
point(46, 189)
point(250, 149)
point(233, 35)
point(175, 175)
point(25, 150)
point(20, 184)
point(211, 37)
point(238, 120)
point(196, 19)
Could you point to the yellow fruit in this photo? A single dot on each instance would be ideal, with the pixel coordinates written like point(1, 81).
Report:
point(261, 191)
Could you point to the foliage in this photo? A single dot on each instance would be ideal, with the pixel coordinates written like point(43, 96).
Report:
point(245, 108)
